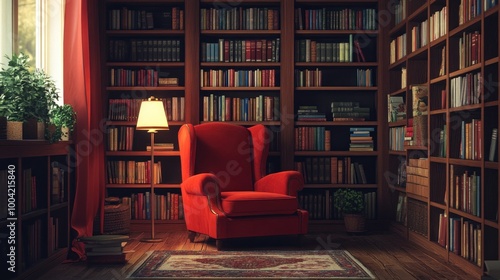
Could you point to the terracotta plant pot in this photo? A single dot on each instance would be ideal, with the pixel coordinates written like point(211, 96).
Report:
point(14, 130)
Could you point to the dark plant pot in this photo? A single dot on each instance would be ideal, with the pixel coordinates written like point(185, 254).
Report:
point(30, 129)
point(3, 128)
point(40, 130)
point(354, 222)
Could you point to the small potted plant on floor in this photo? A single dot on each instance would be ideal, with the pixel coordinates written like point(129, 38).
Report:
point(351, 204)
point(63, 117)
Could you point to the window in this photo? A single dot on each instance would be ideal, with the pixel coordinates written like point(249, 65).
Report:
point(36, 28)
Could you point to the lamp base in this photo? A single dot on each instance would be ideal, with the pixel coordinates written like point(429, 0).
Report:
point(151, 240)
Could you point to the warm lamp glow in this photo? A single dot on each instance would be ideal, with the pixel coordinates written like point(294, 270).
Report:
point(152, 116)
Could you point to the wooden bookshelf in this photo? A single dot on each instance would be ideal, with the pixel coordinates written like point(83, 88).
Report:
point(203, 55)
point(37, 182)
point(441, 55)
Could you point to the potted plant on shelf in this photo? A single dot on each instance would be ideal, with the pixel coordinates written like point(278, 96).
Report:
point(351, 204)
point(44, 96)
point(15, 83)
point(63, 117)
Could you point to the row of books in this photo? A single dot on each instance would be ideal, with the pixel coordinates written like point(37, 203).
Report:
point(312, 138)
point(331, 170)
point(128, 109)
point(471, 140)
point(438, 23)
point(469, 9)
point(465, 238)
point(121, 138)
point(226, 108)
point(465, 90)
point(58, 184)
point(397, 138)
point(29, 200)
point(361, 139)
point(33, 242)
point(465, 191)
point(399, 11)
point(307, 50)
point(170, 18)
point(239, 18)
point(238, 78)
point(469, 49)
point(364, 77)
point(120, 77)
point(333, 18)
point(397, 48)
point(308, 78)
point(320, 205)
point(168, 206)
point(259, 50)
point(133, 172)
point(145, 50)
point(419, 35)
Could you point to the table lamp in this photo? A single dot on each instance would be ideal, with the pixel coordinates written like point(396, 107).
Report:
point(152, 118)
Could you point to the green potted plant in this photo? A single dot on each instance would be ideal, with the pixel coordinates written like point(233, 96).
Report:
point(15, 101)
point(44, 96)
point(351, 204)
point(63, 117)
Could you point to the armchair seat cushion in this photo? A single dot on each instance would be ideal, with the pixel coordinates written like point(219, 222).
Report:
point(252, 203)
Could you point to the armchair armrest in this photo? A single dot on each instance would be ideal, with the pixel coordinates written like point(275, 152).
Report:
point(284, 182)
point(205, 184)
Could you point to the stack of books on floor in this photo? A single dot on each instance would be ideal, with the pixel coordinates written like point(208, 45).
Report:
point(105, 249)
point(361, 140)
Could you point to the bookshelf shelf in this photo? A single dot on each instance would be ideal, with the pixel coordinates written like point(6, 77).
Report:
point(240, 88)
point(142, 32)
point(145, 89)
point(336, 64)
point(145, 64)
point(344, 88)
point(240, 64)
point(397, 153)
point(397, 123)
point(336, 153)
point(335, 32)
point(336, 123)
point(143, 186)
point(241, 33)
point(465, 70)
point(492, 224)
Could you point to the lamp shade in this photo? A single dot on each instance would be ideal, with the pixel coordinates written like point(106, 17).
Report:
point(152, 116)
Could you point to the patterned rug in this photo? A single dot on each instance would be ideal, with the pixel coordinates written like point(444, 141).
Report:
point(317, 264)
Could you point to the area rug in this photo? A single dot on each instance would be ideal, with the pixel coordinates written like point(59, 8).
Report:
point(314, 264)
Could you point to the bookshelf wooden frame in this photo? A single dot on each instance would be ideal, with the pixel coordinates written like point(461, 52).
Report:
point(423, 67)
point(37, 156)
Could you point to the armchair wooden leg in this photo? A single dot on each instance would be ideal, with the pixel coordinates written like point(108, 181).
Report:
point(191, 236)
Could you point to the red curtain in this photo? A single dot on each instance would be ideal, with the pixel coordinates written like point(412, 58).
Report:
point(82, 89)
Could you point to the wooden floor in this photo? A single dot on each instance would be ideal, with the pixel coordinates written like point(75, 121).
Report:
point(385, 254)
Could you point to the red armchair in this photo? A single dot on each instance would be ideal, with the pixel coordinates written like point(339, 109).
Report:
point(225, 190)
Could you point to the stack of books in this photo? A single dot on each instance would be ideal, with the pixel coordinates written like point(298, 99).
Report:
point(349, 111)
point(361, 140)
point(310, 113)
point(161, 147)
point(105, 249)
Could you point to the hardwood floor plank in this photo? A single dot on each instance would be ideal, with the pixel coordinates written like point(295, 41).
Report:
point(385, 254)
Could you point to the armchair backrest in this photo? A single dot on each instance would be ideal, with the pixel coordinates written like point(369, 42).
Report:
point(235, 154)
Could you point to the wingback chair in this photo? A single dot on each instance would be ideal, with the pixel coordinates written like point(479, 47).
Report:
point(225, 190)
